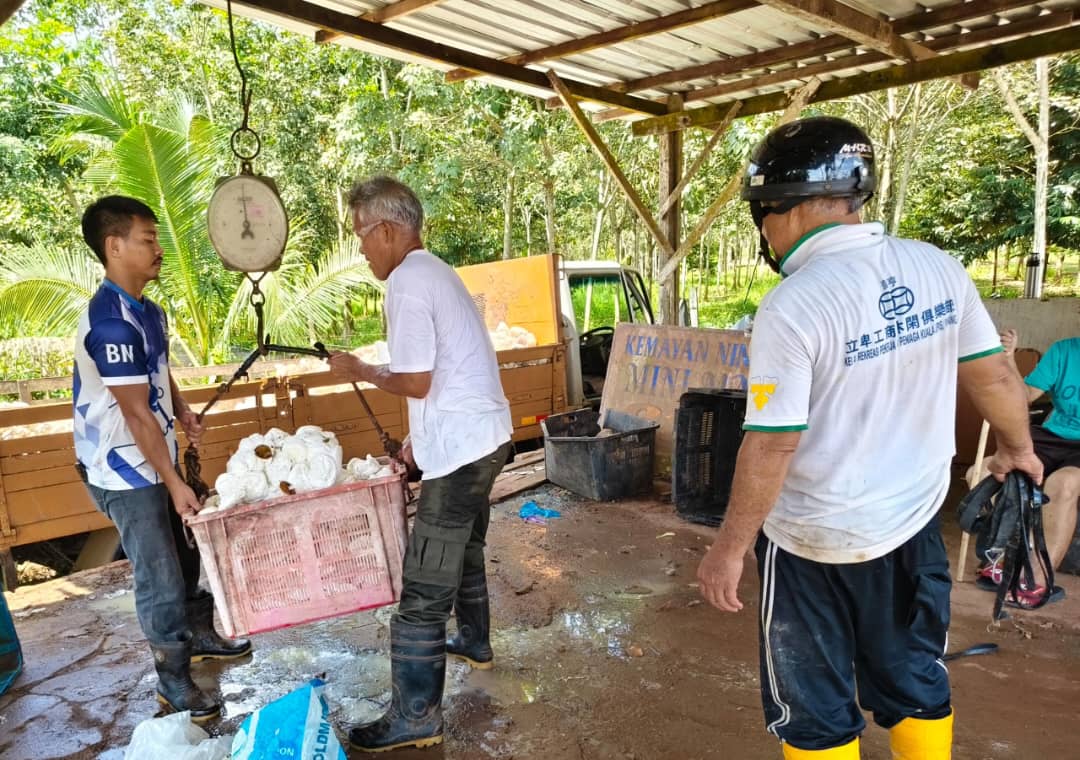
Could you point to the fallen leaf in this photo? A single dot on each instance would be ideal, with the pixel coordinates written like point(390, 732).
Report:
point(635, 651)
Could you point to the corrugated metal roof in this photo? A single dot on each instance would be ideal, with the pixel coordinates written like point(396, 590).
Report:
point(750, 50)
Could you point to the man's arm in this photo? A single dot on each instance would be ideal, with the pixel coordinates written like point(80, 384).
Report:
point(349, 367)
point(1001, 397)
point(188, 419)
point(760, 469)
point(145, 429)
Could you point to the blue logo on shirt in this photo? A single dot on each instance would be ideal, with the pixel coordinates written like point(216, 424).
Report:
point(896, 302)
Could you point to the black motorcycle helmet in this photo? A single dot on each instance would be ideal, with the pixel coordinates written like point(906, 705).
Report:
point(818, 157)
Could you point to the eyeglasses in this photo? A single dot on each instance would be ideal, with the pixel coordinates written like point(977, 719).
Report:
point(367, 228)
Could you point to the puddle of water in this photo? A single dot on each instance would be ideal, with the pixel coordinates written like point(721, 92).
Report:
point(113, 604)
point(358, 680)
point(357, 683)
point(504, 687)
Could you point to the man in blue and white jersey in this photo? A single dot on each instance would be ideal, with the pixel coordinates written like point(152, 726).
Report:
point(854, 364)
point(126, 406)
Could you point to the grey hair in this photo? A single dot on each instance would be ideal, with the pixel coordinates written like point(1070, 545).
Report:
point(843, 204)
point(383, 197)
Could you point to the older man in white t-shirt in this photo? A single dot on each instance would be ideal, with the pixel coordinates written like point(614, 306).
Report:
point(442, 360)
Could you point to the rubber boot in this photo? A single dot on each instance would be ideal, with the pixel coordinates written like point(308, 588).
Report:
point(175, 688)
point(206, 644)
point(917, 739)
point(417, 669)
point(849, 751)
point(472, 642)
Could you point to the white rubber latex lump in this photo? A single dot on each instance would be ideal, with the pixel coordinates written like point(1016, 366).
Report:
point(268, 466)
point(368, 468)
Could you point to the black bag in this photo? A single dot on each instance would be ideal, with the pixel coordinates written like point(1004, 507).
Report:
point(1004, 525)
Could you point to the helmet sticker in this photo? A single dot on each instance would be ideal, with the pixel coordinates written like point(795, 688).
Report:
point(757, 180)
point(862, 148)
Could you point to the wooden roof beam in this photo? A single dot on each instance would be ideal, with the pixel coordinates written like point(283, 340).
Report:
point(351, 26)
point(795, 102)
point(873, 32)
point(382, 15)
point(822, 46)
point(8, 8)
point(612, 164)
point(991, 34)
point(621, 34)
point(953, 64)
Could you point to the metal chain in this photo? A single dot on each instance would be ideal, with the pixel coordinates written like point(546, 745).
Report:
point(245, 104)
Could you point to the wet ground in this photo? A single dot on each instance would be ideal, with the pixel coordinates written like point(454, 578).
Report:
point(603, 650)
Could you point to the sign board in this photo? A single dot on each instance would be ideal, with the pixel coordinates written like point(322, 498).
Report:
point(651, 366)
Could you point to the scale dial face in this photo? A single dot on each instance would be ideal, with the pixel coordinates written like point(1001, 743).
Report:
point(248, 223)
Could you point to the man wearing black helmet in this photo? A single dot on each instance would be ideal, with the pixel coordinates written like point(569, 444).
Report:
point(854, 363)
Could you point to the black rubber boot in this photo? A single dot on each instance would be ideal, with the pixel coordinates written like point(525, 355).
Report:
point(206, 644)
point(417, 669)
point(175, 688)
point(472, 642)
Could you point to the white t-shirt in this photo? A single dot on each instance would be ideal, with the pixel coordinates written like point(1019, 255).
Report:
point(858, 347)
point(433, 326)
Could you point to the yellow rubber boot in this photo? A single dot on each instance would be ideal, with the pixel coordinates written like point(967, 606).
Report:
point(849, 751)
point(915, 739)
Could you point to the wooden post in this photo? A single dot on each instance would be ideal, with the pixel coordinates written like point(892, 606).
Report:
point(611, 163)
point(671, 144)
point(797, 104)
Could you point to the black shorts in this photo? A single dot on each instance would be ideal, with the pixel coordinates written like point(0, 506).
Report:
point(836, 636)
point(1054, 451)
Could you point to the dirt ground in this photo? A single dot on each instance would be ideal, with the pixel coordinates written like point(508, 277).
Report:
point(603, 650)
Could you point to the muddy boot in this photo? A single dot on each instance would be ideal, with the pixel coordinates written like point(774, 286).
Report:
point(471, 608)
point(417, 668)
point(206, 644)
point(175, 688)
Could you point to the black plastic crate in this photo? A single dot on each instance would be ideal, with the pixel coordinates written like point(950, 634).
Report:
point(708, 432)
point(606, 468)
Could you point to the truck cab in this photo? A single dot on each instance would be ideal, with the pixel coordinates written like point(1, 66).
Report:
point(594, 296)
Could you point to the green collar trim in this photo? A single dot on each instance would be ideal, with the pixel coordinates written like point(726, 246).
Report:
point(802, 240)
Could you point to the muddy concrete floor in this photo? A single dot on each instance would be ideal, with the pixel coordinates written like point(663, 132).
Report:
point(603, 650)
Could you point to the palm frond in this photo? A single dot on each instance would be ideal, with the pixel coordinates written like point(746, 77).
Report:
point(95, 115)
point(305, 300)
point(160, 166)
point(44, 291)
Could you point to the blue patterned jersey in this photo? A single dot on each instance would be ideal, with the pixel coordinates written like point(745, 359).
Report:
point(120, 341)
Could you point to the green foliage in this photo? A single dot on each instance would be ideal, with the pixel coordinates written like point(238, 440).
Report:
point(31, 358)
point(738, 302)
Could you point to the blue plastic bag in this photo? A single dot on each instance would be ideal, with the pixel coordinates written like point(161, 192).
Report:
point(530, 512)
point(292, 726)
point(11, 661)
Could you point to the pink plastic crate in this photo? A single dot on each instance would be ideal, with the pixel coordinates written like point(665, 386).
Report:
point(305, 557)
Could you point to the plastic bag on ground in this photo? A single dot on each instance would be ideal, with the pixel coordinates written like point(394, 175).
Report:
point(293, 726)
point(175, 737)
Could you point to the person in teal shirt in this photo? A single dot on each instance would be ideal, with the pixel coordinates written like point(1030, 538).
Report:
point(1057, 444)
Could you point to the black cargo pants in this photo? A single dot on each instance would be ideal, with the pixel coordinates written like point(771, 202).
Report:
point(448, 538)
